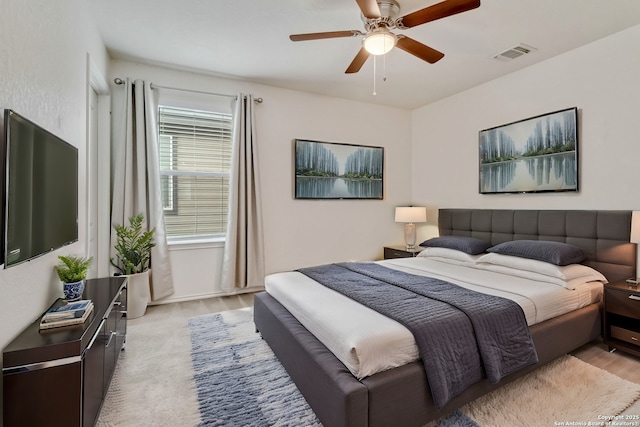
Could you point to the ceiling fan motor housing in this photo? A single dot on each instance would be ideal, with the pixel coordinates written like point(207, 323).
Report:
point(389, 8)
point(389, 11)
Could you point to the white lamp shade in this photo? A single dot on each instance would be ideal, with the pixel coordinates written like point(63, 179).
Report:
point(411, 214)
point(635, 227)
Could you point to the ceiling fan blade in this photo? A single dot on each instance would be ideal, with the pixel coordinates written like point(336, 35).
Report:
point(358, 61)
point(438, 11)
point(418, 49)
point(327, 35)
point(369, 8)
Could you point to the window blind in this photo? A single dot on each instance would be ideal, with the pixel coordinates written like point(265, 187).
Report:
point(195, 160)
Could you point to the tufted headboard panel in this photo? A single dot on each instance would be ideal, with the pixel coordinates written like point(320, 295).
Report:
point(603, 235)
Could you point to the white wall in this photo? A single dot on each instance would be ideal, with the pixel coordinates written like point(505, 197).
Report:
point(299, 232)
point(44, 77)
point(601, 79)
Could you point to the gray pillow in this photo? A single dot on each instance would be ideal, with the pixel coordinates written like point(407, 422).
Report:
point(469, 245)
point(557, 253)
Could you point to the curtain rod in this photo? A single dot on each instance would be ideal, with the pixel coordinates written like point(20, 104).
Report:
point(119, 81)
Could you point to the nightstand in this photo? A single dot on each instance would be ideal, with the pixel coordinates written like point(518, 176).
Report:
point(622, 317)
point(391, 252)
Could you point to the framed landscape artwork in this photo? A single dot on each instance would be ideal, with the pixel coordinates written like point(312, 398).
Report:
point(538, 154)
point(328, 170)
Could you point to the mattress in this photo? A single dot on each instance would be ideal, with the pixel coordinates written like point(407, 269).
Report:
point(368, 342)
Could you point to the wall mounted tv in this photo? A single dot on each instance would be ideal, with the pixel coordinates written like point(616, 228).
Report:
point(40, 190)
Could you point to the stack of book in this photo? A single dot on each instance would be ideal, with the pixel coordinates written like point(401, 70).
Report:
point(72, 313)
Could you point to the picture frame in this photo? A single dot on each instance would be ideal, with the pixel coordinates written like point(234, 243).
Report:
point(330, 170)
point(534, 155)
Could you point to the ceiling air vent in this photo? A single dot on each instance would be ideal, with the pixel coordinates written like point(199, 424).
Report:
point(515, 52)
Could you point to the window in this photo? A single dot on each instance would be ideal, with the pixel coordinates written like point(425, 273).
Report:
point(195, 161)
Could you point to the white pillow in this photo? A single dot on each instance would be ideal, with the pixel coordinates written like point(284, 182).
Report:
point(450, 256)
point(567, 276)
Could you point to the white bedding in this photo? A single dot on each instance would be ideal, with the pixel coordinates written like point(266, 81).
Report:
point(368, 342)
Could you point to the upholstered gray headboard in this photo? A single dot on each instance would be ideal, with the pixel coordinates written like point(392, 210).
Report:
point(603, 235)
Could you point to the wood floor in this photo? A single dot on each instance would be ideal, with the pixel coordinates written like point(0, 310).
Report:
point(618, 363)
point(188, 309)
point(594, 353)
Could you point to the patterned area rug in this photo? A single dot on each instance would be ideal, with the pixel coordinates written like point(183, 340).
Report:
point(241, 383)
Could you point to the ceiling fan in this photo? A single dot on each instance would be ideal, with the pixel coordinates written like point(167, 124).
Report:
point(380, 16)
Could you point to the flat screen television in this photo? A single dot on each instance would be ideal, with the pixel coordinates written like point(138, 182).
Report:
point(40, 208)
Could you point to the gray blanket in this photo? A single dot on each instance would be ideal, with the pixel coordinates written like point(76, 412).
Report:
point(462, 335)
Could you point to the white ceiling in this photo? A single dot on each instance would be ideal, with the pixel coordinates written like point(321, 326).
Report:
point(248, 39)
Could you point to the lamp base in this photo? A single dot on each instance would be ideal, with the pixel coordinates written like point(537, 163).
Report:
point(410, 236)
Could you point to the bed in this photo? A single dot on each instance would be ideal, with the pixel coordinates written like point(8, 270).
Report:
point(400, 396)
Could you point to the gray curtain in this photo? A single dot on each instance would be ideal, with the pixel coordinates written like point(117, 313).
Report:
point(243, 264)
point(136, 176)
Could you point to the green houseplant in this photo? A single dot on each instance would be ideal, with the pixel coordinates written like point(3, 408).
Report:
point(133, 246)
point(133, 255)
point(72, 271)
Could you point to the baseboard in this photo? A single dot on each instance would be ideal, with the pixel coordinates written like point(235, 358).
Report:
point(195, 297)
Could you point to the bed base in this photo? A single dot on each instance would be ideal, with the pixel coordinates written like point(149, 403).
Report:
point(399, 396)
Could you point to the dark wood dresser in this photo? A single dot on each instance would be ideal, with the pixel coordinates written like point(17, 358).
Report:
point(59, 376)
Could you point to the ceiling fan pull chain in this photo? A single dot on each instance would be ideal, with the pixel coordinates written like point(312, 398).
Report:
point(374, 76)
point(384, 67)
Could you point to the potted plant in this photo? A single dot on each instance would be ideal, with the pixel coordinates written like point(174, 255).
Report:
point(72, 271)
point(133, 254)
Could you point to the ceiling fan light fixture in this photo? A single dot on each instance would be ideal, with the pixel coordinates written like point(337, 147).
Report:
point(379, 41)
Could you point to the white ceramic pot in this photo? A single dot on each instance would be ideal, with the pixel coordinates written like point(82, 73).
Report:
point(138, 294)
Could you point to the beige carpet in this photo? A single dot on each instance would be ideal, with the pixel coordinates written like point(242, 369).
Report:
point(153, 381)
point(153, 386)
point(567, 391)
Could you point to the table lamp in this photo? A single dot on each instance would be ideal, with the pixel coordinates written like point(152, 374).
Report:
point(410, 215)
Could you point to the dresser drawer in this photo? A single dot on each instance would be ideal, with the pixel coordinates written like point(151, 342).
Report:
point(627, 335)
point(623, 303)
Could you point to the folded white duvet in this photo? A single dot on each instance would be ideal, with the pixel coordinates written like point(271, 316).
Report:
point(368, 342)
